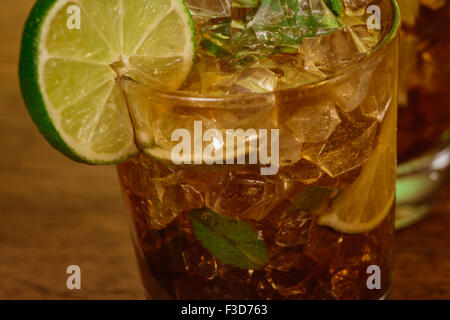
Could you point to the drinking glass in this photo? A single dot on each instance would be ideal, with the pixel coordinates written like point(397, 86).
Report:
point(424, 108)
point(315, 222)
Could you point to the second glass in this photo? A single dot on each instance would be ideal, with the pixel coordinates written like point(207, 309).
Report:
point(424, 109)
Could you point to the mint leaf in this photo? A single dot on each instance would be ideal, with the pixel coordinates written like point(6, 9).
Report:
point(232, 241)
point(335, 6)
point(312, 197)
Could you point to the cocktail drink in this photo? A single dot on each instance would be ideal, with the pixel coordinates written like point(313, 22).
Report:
point(255, 140)
point(424, 107)
point(206, 227)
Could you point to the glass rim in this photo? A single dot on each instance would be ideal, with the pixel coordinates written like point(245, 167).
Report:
point(190, 97)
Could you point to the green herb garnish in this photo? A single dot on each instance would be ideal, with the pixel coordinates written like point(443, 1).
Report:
point(231, 241)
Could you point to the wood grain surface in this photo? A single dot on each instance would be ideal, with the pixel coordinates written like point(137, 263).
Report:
point(54, 212)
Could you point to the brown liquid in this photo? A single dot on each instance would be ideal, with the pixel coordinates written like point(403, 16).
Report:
point(307, 261)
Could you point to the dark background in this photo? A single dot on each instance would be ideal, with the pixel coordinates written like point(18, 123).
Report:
point(55, 213)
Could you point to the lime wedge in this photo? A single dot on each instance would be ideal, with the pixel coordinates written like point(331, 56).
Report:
point(74, 52)
point(367, 202)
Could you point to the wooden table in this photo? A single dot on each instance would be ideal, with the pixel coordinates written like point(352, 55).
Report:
point(55, 213)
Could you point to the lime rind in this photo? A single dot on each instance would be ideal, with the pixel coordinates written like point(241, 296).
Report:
point(29, 84)
point(29, 70)
point(394, 28)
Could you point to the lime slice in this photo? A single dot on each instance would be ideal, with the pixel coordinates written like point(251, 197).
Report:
point(367, 202)
point(72, 54)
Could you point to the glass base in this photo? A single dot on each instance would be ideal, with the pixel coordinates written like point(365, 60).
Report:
point(387, 295)
point(417, 184)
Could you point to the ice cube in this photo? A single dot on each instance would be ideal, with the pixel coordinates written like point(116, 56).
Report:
point(296, 280)
point(315, 123)
point(351, 92)
point(348, 148)
point(252, 117)
point(304, 171)
point(229, 272)
point(176, 253)
point(356, 7)
point(289, 71)
point(290, 146)
point(210, 8)
point(356, 251)
point(169, 198)
point(215, 36)
point(257, 80)
point(379, 97)
point(283, 259)
point(136, 175)
point(285, 23)
point(364, 37)
point(296, 77)
point(187, 257)
point(241, 284)
point(207, 71)
point(167, 123)
point(323, 244)
point(179, 197)
point(245, 195)
point(159, 196)
point(293, 229)
point(348, 283)
point(202, 180)
point(277, 25)
point(208, 266)
point(330, 53)
point(250, 80)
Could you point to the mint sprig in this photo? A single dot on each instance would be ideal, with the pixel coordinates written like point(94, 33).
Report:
point(278, 20)
point(231, 241)
point(276, 26)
